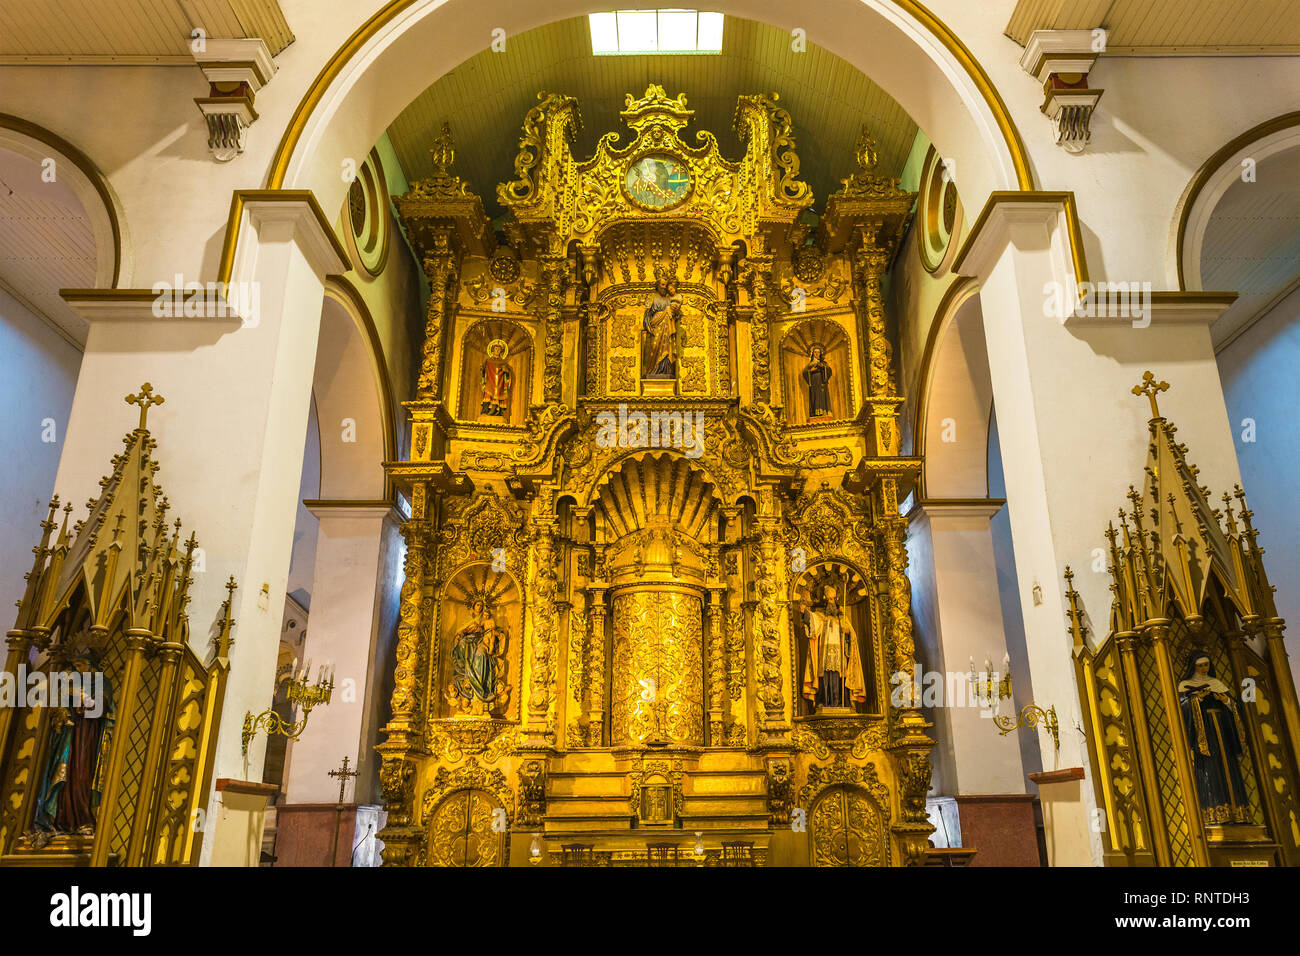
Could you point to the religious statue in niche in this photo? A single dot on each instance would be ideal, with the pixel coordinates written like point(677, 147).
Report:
point(817, 376)
point(1217, 739)
point(663, 310)
point(80, 732)
point(833, 674)
point(478, 664)
point(496, 381)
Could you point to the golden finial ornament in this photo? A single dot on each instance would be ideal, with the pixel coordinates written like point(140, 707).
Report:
point(1150, 388)
point(144, 398)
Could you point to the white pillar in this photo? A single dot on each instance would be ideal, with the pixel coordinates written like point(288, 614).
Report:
point(230, 434)
point(960, 587)
point(1074, 438)
point(353, 582)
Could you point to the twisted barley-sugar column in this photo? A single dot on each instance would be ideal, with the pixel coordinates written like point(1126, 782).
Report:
point(1159, 631)
point(555, 271)
point(767, 645)
point(406, 676)
point(869, 264)
point(717, 668)
point(543, 635)
point(440, 267)
point(898, 587)
point(760, 271)
point(1131, 685)
point(596, 666)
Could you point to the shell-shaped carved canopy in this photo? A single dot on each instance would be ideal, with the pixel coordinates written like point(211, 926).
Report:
point(657, 490)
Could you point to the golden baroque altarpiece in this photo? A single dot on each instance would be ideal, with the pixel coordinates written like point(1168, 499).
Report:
point(656, 421)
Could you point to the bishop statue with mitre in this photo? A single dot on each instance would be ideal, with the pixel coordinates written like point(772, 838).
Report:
point(833, 674)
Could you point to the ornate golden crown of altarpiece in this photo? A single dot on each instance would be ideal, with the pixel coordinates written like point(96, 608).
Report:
point(630, 478)
point(109, 595)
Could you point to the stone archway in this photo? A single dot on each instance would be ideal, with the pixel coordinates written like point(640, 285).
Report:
point(392, 57)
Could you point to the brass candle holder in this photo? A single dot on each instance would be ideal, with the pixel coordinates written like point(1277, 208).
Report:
point(300, 694)
point(1031, 715)
point(989, 686)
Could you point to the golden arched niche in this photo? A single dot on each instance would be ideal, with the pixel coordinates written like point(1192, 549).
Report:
point(796, 351)
point(519, 359)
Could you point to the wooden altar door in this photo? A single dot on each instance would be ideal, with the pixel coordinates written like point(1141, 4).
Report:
point(462, 834)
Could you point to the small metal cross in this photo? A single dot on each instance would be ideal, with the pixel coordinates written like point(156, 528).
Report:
point(145, 399)
point(1150, 388)
point(343, 774)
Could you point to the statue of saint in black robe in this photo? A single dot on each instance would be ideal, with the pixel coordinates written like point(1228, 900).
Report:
point(1217, 738)
point(817, 376)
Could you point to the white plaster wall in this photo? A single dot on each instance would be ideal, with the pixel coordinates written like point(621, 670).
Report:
point(1013, 621)
point(302, 563)
point(1259, 382)
point(40, 373)
point(1159, 119)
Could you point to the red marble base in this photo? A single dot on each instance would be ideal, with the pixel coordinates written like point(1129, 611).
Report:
point(319, 834)
point(1000, 827)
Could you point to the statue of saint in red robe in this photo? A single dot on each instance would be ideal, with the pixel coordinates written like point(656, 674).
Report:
point(496, 381)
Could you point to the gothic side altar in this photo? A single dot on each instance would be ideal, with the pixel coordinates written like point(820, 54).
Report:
point(655, 578)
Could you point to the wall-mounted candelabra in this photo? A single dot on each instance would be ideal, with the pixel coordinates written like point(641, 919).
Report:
point(299, 694)
point(989, 687)
point(1031, 715)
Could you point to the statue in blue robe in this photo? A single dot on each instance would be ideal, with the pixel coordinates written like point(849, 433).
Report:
point(477, 656)
point(72, 783)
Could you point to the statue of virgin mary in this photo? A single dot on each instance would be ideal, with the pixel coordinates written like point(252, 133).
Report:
point(663, 308)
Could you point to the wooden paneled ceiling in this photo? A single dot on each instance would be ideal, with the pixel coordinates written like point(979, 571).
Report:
point(1252, 243)
point(47, 243)
point(1169, 27)
point(485, 100)
point(130, 31)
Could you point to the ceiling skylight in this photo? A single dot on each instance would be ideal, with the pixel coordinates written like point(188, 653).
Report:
point(656, 31)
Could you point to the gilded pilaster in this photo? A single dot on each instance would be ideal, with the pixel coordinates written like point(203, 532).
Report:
point(544, 634)
point(410, 630)
point(718, 709)
point(18, 645)
point(1286, 692)
point(440, 267)
point(870, 261)
point(555, 274)
point(767, 631)
point(596, 631)
point(759, 270)
point(1142, 742)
